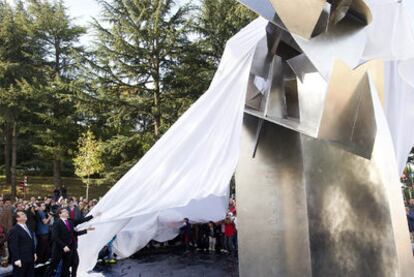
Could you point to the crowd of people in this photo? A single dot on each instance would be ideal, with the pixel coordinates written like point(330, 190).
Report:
point(42, 215)
point(410, 217)
point(213, 237)
point(44, 230)
point(408, 195)
point(26, 228)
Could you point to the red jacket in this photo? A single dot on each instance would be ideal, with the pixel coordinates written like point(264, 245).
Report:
point(229, 229)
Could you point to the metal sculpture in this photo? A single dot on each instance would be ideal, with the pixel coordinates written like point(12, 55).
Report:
point(317, 186)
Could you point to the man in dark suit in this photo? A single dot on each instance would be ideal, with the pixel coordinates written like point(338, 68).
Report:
point(65, 243)
point(22, 247)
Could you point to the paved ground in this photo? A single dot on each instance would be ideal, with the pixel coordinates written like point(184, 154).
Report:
point(176, 264)
point(167, 262)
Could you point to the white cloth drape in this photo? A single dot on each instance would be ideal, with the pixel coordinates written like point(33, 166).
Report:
point(399, 110)
point(187, 172)
point(391, 33)
point(391, 38)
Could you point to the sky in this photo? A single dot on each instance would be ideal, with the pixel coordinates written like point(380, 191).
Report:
point(83, 11)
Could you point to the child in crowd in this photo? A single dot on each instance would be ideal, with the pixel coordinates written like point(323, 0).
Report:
point(211, 236)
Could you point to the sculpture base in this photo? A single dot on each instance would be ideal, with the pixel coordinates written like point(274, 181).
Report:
point(309, 208)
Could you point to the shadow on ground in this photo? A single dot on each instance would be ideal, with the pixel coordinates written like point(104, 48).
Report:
point(173, 264)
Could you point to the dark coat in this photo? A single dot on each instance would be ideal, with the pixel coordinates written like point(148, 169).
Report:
point(31, 219)
point(61, 236)
point(56, 194)
point(410, 218)
point(186, 229)
point(22, 246)
point(77, 213)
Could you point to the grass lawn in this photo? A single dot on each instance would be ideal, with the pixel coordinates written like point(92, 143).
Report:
point(42, 186)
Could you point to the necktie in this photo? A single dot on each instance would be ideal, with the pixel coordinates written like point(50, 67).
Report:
point(67, 225)
point(27, 230)
point(72, 237)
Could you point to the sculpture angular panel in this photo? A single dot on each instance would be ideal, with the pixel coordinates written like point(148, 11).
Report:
point(317, 181)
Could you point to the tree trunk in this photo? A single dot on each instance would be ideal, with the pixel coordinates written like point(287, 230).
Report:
point(157, 99)
point(157, 113)
point(57, 56)
point(87, 189)
point(57, 179)
point(7, 152)
point(13, 159)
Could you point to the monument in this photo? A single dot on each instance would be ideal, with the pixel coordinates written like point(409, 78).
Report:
point(317, 187)
point(300, 108)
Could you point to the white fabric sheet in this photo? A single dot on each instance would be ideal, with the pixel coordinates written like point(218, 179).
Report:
point(187, 172)
point(391, 38)
point(399, 110)
point(391, 33)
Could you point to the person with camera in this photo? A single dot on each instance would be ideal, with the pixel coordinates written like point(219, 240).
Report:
point(65, 242)
point(22, 247)
point(43, 221)
point(31, 215)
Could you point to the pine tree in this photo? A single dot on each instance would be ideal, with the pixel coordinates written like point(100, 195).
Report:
point(214, 23)
point(139, 43)
point(60, 40)
point(19, 63)
point(217, 22)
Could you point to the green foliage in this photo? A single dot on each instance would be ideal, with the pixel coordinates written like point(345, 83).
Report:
point(214, 22)
point(43, 186)
point(217, 21)
point(88, 159)
point(57, 114)
point(150, 61)
point(139, 43)
point(19, 61)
